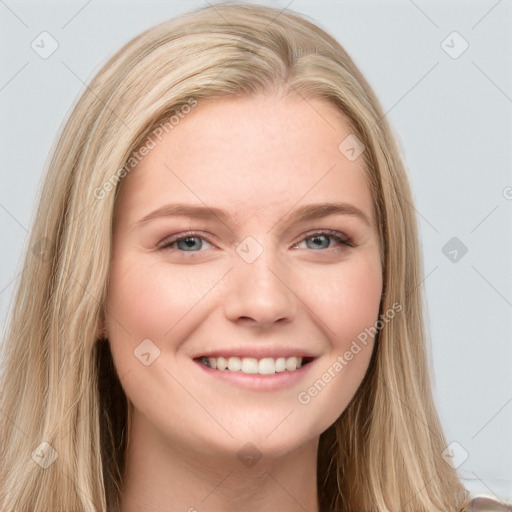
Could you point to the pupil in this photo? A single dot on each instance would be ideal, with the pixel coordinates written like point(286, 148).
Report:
point(318, 242)
point(190, 242)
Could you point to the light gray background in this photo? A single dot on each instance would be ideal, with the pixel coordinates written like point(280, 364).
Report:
point(452, 116)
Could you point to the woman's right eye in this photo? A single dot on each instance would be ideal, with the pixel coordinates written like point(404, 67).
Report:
point(187, 243)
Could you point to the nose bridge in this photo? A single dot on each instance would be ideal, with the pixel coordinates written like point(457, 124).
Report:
point(258, 287)
point(262, 274)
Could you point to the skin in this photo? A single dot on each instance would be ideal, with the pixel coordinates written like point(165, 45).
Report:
point(259, 158)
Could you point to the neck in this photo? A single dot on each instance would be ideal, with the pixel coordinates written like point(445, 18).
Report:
point(159, 477)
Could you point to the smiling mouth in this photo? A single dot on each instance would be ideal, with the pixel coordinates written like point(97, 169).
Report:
point(251, 365)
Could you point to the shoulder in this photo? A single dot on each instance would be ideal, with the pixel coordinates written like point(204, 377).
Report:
point(486, 504)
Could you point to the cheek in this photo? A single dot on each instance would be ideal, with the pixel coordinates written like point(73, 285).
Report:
point(349, 311)
point(150, 299)
point(138, 301)
point(349, 300)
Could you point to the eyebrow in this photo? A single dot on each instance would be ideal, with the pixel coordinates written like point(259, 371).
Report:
point(301, 214)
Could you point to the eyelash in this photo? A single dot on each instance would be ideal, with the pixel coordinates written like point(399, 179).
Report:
point(167, 243)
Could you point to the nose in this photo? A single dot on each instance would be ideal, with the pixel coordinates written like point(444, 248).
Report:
point(259, 293)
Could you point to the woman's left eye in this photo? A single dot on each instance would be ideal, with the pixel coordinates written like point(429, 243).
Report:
point(322, 240)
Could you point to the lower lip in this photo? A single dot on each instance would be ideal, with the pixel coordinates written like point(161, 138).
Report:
point(257, 382)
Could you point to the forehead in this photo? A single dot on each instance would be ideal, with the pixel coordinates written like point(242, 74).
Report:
point(250, 155)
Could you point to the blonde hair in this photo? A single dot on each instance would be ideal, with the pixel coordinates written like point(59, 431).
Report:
point(59, 385)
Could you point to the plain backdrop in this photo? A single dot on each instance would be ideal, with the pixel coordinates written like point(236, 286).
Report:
point(443, 74)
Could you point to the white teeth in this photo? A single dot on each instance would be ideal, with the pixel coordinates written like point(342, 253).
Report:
point(222, 364)
point(291, 363)
point(265, 366)
point(234, 364)
point(249, 365)
point(280, 364)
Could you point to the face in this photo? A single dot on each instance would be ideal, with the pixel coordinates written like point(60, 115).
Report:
point(224, 254)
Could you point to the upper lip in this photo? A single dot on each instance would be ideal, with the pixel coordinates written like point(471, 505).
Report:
point(256, 352)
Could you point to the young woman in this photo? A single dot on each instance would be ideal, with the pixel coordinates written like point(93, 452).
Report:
point(224, 309)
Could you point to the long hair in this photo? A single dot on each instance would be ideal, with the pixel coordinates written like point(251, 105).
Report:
point(63, 412)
